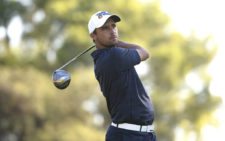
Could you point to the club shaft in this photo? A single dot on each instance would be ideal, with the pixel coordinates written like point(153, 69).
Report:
point(74, 58)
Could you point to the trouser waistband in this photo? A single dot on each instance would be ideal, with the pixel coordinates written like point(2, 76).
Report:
point(134, 127)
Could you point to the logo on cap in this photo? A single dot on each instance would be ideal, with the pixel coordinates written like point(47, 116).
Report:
point(101, 14)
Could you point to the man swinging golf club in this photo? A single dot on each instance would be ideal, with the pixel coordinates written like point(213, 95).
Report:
point(129, 105)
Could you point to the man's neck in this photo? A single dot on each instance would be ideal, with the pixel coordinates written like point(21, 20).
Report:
point(104, 47)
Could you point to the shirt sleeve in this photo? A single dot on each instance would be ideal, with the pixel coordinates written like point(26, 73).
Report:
point(125, 58)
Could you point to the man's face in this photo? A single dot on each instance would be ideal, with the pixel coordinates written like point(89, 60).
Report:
point(107, 35)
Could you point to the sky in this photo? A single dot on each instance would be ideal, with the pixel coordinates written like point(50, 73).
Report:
point(203, 18)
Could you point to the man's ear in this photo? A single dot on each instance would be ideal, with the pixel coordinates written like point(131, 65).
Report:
point(92, 35)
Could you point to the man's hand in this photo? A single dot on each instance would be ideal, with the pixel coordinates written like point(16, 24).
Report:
point(141, 51)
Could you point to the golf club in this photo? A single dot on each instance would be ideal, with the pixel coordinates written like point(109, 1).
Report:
point(61, 78)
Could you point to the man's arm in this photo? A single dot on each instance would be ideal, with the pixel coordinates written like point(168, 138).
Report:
point(141, 51)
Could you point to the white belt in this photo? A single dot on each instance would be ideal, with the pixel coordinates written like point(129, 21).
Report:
point(134, 127)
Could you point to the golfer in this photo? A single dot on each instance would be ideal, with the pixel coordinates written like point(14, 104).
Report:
point(128, 103)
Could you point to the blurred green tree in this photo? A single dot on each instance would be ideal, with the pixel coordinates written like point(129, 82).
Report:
point(175, 101)
point(9, 10)
point(54, 31)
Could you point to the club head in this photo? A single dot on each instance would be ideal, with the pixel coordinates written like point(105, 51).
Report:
point(61, 79)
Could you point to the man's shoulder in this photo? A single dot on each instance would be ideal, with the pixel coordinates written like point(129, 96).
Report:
point(117, 51)
point(117, 48)
point(112, 52)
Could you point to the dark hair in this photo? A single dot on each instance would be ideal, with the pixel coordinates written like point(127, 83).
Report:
point(94, 32)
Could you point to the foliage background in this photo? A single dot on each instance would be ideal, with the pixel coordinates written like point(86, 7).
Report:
point(51, 32)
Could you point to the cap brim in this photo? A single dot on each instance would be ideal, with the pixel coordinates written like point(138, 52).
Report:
point(115, 18)
point(103, 20)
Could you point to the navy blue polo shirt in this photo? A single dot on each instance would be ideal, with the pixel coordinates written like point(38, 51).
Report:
point(126, 98)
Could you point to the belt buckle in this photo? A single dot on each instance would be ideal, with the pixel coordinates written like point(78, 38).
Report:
point(144, 128)
point(147, 128)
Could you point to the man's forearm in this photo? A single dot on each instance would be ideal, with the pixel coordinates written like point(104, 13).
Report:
point(141, 51)
point(127, 45)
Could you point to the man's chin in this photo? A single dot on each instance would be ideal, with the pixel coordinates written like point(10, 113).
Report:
point(113, 43)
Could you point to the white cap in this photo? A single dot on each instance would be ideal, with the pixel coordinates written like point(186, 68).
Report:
point(98, 19)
